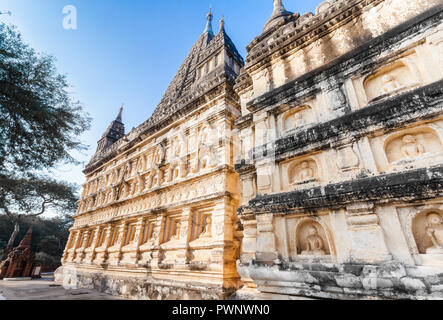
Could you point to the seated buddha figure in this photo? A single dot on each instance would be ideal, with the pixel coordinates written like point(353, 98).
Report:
point(389, 83)
point(207, 230)
point(411, 148)
point(434, 230)
point(306, 172)
point(299, 120)
point(176, 235)
point(314, 244)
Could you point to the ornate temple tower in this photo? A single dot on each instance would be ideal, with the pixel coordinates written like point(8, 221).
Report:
point(157, 218)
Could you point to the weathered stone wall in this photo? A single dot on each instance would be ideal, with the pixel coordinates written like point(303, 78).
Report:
point(135, 286)
point(341, 154)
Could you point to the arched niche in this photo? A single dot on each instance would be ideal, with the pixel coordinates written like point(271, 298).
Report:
point(412, 144)
point(294, 119)
point(311, 238)
point(303, 171)
point(177, 170)
point(389, 80)
point(155, 178)
point(207, 135)
point(427, 229)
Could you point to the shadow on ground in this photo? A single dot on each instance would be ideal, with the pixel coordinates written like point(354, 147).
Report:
point(46, 289)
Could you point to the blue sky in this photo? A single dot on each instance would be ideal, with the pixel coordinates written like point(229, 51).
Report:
point(128, 51)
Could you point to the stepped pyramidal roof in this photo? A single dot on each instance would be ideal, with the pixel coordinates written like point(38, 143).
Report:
point(183, 89)
point(184, 82)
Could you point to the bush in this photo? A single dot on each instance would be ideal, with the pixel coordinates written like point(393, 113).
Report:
point(50, 246)
point(46, 259)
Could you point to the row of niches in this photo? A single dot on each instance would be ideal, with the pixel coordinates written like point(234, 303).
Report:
point(416, 147)
point(166, 162)
point(133, 241)
point(385, 78)
point(160, 176)
point(394, 78)
point(306, 238)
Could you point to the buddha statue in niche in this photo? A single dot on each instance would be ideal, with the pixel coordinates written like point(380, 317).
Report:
point(299, 120)
point(434, 229)
point(314, 244)
point(411, 148)
point(207, 228)
point(176, 235)
point(390, 83)
point(306, 172)
point(154, 235)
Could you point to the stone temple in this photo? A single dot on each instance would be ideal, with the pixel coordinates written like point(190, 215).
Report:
point(314, 167)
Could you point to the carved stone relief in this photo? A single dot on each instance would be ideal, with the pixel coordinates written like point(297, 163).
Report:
point(306, 238)
point(323, 7)
point(303, 172)
point(409, 146)
point(390, 80)
point(428, 232)
point(159, 155)
point(298, 119)
point(309, 240)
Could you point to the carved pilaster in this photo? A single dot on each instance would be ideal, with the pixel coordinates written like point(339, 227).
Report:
point(90, 252)
point(261, 123)
point(266, 249)
point(368, 243)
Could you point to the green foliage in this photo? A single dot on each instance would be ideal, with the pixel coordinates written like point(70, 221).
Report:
point(39, 126)
point(33, 195)
point(39, 121)
point(46, 233)
point(46, 259)
point(49, 245)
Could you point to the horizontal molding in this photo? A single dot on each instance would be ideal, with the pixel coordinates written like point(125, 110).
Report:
point(415, 185)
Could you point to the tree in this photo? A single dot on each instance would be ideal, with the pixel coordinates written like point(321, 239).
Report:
point(39, 128)
point(39, 121)
point(31, 197)
point(49, 245)
point(43, 228)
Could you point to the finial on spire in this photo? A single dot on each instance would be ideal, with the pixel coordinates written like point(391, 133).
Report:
point(278, 13)
point(209, 21)
point(278, 6)
point(119, 117)
point(222, 24)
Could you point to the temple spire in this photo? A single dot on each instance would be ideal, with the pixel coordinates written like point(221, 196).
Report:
point(222, 25)
point(278, 6)
point(26, 242)
point(119, 117)
point(209, 16)
point(278, 14)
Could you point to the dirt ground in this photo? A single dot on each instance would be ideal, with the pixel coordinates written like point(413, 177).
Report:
point(46, 289)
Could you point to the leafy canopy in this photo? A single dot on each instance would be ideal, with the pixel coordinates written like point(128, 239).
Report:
point(39, 121)
point(39, 126)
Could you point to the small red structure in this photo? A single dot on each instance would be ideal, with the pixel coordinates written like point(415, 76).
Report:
point(20, 260)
